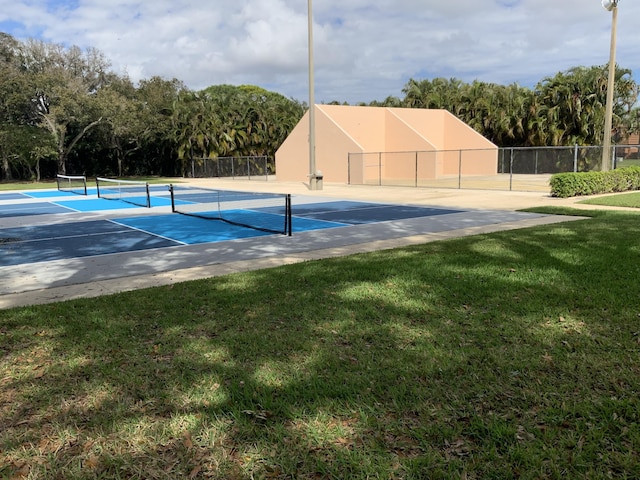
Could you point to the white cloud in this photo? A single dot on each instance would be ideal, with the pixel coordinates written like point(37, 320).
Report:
point(363, 50)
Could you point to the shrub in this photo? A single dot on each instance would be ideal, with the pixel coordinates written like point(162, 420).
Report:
point(566, 185)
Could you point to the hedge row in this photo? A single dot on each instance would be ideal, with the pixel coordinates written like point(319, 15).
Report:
point(566, 185)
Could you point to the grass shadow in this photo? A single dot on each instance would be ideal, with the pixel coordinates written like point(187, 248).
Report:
point(502, 355)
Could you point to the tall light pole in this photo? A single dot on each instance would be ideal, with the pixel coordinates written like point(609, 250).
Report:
point(612, 6)
point(314, 180)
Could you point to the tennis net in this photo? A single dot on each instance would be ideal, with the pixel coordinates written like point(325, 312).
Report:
point(267, 212)
point(72, 183)
point(135, 192)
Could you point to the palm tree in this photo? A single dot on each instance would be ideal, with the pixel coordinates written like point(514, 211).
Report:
point(196, 125)
point(575, 101)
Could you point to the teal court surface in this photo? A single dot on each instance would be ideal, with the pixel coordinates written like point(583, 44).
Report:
point(51, 241)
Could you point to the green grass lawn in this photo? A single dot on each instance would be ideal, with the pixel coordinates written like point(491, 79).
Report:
point(508, 355)
point(630, 162)
point(6, 186)
point(617, 200)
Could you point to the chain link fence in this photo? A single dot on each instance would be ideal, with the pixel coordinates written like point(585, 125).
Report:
point(517, 168)
point(246, 168)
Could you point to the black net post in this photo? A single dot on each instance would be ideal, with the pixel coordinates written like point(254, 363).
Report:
point(173, 202)
point(288, 216)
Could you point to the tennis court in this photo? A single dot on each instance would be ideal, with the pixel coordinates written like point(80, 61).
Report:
point(50, 240)
point(73, 238)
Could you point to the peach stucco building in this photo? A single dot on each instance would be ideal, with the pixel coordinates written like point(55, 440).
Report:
point(360, 144)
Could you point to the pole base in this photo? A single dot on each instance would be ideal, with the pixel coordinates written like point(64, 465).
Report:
point(315, 183)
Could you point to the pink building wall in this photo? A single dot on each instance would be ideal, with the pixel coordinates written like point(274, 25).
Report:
point(348, 140)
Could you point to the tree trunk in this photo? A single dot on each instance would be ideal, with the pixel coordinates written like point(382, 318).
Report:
point(62, 163)
point(62, 152)
point(6, 169)
point(119, 154)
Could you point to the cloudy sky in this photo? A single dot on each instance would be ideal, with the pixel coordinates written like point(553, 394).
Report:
point(363, 50)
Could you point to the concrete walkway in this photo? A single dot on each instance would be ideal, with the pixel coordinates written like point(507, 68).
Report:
point(491, 211)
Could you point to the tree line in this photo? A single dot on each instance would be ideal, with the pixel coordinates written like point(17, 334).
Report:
point(62, 110)
point(563, 110)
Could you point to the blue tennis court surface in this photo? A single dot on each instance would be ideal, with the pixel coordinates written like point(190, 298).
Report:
point(27, 209)
point(191, 230)
point(117, 231)
point(57, 194)
point(56, 242)
point(159, 190)
point(356, 213)
point(12, 196)
point(98, 204)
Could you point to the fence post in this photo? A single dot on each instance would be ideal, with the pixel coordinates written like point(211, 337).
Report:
point(459, 169)
point(613, 157)
point(416, 168)
point(511, 171)
point(575, 159)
